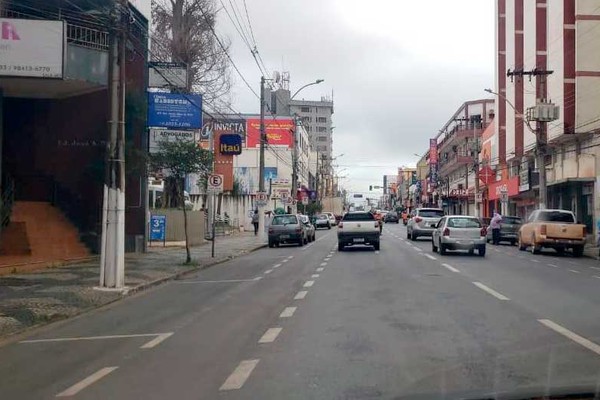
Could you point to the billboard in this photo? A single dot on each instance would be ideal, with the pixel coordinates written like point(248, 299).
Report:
point(32, 48)
point(230, 144)
point(279, 132)
point(167, 74)
point(169, 135)
point(173, 110)
point(433, 153)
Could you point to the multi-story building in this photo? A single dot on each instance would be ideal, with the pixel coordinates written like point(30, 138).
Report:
point(558, 41)
point(458, 149)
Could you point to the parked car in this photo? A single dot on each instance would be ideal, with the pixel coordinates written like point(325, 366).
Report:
point(556, 229)
point(322, 221)
point(423, 222)
point(509, 229)
point(310, 228)
point(287, 228)
point(358, 228)
point(459, 232)
point(392, 216)
point(331, 217)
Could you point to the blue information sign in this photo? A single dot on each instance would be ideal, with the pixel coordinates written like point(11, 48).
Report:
point(174, 110)
point(158, 224)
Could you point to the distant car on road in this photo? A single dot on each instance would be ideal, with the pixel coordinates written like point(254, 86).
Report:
point(509, 229)
point(556, 229)
point(287, 228)
point(358, 228)
point(331, 217)
point(310, 228)
point(459, 232)
point(392, 216)
point(322, 221)
point(423, 222)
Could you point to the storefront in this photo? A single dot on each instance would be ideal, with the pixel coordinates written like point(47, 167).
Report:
point(507, 188)
point(575, 194)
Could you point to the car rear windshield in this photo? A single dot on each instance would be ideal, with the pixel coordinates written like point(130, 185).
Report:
point(284, 220)
point(511, 220)
point(322, 216)
point(464, 223)
point(359, 217)
point(556, 216)
point(431, 213)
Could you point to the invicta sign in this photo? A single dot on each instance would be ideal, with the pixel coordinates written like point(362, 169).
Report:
point(230, 144)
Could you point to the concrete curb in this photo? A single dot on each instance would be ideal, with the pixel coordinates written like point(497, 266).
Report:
point(19, 334)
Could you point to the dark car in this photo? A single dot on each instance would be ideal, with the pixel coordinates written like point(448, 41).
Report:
point(392, 216)
point(509, 229)
point(287, 229)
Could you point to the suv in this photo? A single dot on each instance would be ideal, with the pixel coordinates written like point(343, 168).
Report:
point(423, 222)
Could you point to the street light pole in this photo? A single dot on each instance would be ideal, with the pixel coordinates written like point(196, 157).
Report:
point(305, 86)
point(261, 163)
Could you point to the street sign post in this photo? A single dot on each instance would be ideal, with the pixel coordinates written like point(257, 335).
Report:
point(215, 184)
point(262, 199)
point(158, 224)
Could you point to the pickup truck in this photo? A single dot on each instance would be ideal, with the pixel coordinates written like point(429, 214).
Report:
point(358, 228)
point(555, 229)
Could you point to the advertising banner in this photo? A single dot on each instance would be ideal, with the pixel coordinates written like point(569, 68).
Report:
point(32, 48)
point(173, 110)
point(224, 126)
point(158, 224)
point(279, 132)
point(167, 74)
point(230, 144)
point(509, 186)
point(168, 135)
point(433, 154)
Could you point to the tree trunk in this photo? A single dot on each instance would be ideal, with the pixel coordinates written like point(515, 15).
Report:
point(188, 257)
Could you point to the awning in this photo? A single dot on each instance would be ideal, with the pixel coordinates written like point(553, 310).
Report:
point(568, 180)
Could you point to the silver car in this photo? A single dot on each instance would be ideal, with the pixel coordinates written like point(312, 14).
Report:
point(423, 222)
point(287, 228)
point(309, 227)
point(459, 232)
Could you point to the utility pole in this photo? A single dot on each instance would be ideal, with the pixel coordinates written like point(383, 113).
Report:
point(542, 113)
point(295, 162)
point(112, 251)
point(261, 163)
point(476, 123)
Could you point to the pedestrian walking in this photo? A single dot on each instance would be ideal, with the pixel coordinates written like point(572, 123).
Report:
point(255, 222)
point(495, 225)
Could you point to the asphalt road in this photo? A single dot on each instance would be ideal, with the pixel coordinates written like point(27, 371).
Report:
point(314, 323)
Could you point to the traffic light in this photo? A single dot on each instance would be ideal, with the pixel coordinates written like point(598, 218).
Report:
point(370, 188)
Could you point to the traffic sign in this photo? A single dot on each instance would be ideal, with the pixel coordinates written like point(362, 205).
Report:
point(262, 199)
point(305, 201)
point(215, 183)
point(479, 197)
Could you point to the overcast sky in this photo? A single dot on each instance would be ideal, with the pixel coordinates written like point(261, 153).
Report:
point(398, 69)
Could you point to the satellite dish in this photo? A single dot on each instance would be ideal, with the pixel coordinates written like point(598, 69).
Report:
point(276, 76)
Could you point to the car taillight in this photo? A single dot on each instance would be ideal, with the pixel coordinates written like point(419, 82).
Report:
point(418, 219)
point(341, 225)
point(446, 232)
point(483, 232)
point(543, 229)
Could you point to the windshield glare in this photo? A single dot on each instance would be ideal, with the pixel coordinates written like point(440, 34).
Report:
point(431, 213)
point(556, 216)
point(284, 220)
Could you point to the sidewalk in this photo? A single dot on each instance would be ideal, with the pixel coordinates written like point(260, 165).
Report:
point(52, 294)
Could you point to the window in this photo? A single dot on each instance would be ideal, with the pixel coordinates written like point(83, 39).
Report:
point(321, 129)
point(305, 109)
point(322, 119)
point(321, 148)
point(284, 220)
point(430, 213)
point(322, 139)
point(464, 223)
point(306, 119)
point(358, 217)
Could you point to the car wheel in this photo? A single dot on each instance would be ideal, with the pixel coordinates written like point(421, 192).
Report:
point(301, 242)
point(407, 234)
point(577, 251)
point(376, 246)
point(535, 249)
point(305, 240)
point(442, 249)
point(340, 246)
point(471, 252)
point(413, 236)
point(433, 248)
point(481, 251)
point(522, 246)
point(328, 226)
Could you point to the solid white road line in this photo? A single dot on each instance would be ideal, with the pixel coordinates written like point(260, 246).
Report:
point(430, 256)
point(156, 341)
point(79, 386)
point(74, 339)
point(287, 312)
point(323, 264)
point(240, 375)
point(571, 335)
point(308, 246)
point(553, 266)
point(417, 248)
point(575, 272)
point(450, 267)
point(490, 291)
point(314, 275)
point(268, 271)
point(270, 335)
point(320, 269)
point(276, 265)
point(309, 283)
point(300, 295)
point(223, 281)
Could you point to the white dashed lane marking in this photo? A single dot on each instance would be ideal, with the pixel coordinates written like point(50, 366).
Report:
point(240, 375)
point(314, 275)
point(323, 264)
point(320, 269)
point(553, 266)
point(309, 283)
point(79, 386)
point(491, 291)
point(268, 271)
point(575, 272)
point(300, 295)
point(430, 256)
point(450, 267)
point(270, 335)
point(276, 265)
point(588, 344)
point(287, 312)
point(156, 341)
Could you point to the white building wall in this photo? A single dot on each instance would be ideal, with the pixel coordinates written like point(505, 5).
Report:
point(510, 86)
point(529, 40)
point(588, 60)
point(556, 63)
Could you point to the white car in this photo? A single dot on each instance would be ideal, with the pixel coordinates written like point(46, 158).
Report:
point(331, 218)
point(459, 232)
point(423, 222)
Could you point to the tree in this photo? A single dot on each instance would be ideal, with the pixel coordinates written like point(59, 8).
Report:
point(179, 159)
point(184, 32)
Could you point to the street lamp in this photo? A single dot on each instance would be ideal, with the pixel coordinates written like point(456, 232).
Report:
point(519, 115)
point(307, 85)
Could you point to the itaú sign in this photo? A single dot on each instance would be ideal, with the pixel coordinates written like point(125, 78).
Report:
point(230, 144)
